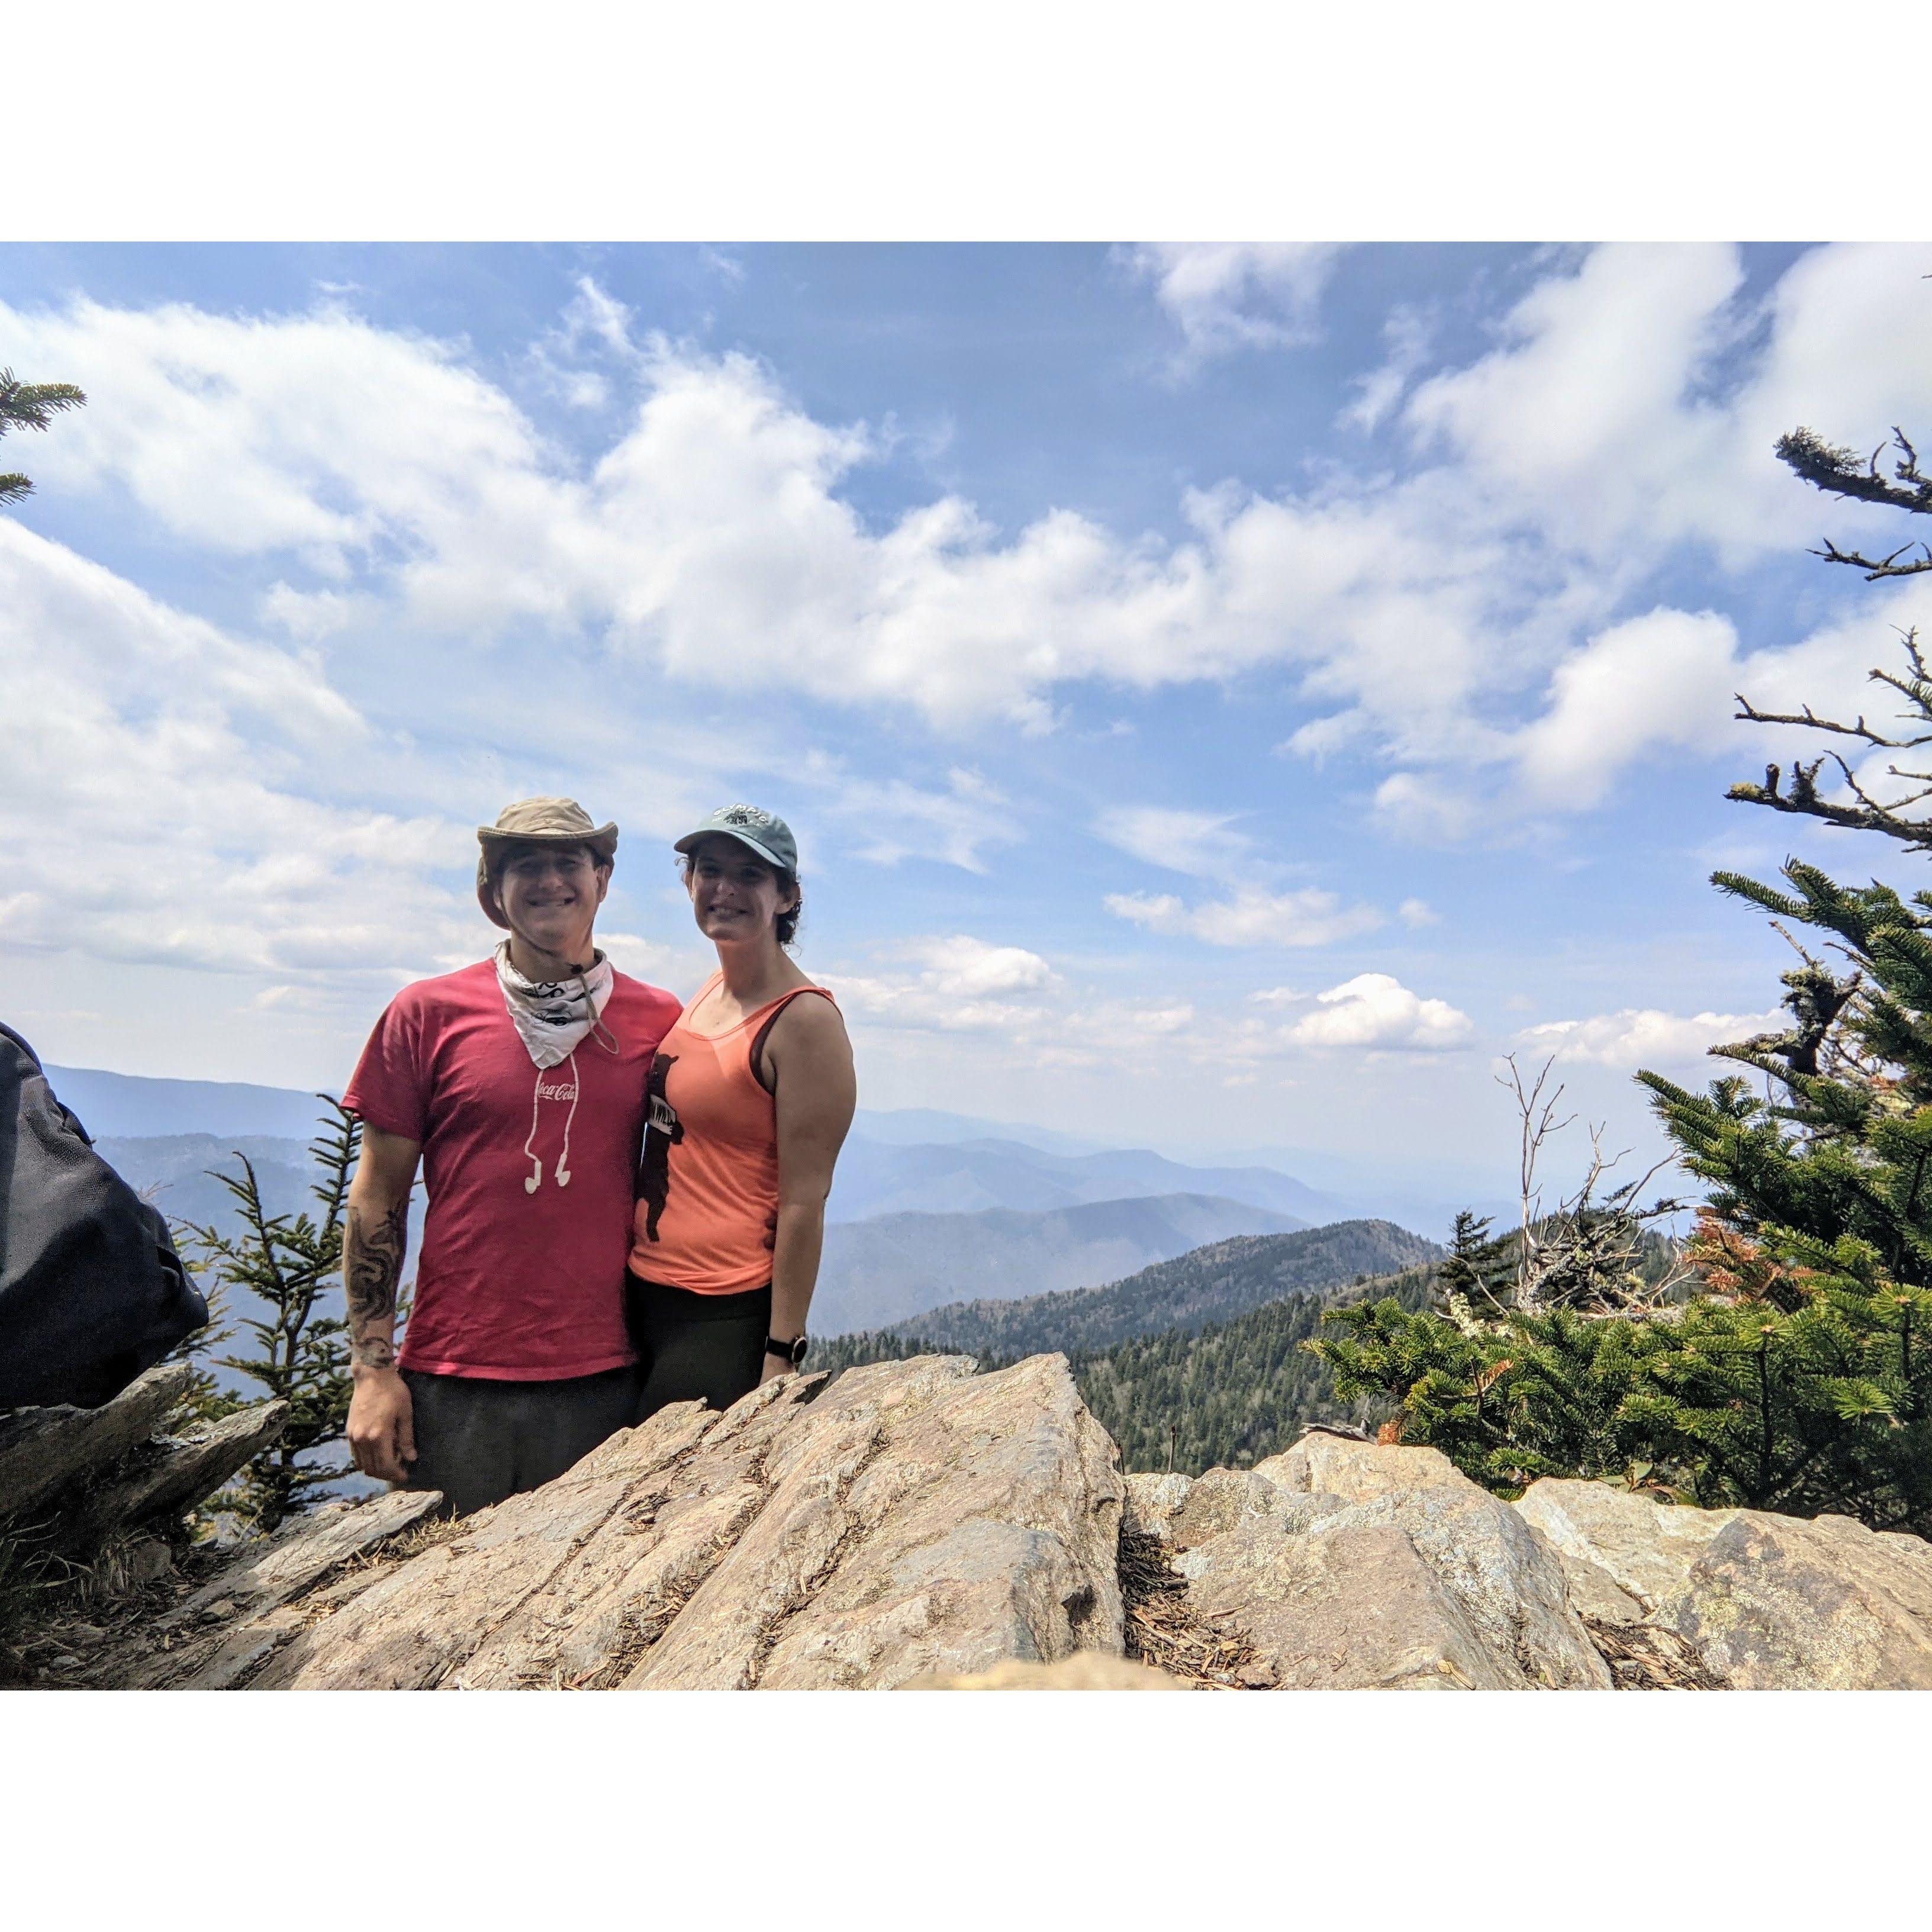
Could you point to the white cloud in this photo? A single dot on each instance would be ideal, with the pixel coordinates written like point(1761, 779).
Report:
point(1198, 843)
point(892, 820)
point(1251, 917)
point(147, 799)
point(964, 967)
point(642, 958)
point(1374, 1011)
point(1424, 805)
point(968, 985)
point(1665, 679)
point(1417, 912)
point(1645, 1036)
point(1237, 295)
point(1435, 620)
point(1407, 333)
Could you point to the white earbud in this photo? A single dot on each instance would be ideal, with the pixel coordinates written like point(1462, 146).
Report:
point(562, 1178)
point(535, 1180)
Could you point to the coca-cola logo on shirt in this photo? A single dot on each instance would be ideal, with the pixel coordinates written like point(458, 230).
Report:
point(556, 1089)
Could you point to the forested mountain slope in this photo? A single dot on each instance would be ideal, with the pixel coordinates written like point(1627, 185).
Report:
point(1207, 1284)
point(894, 1268)
point(1228, 1393)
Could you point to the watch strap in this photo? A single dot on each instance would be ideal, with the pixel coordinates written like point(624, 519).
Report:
point(793, 1352)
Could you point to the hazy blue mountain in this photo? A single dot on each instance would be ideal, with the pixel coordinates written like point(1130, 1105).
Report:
point(913, 1160)
point(1208, 1284)
point(963, 1177)
point(124, 1105)
point(882, 1270)
point(906, 1126)
point(174, 1170)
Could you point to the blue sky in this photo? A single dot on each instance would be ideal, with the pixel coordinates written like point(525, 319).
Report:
point(1228, 696)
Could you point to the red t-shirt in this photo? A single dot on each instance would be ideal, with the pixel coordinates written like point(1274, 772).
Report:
point(515, 1283)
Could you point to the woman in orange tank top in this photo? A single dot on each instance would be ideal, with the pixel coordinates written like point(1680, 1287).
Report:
point(752, 1093)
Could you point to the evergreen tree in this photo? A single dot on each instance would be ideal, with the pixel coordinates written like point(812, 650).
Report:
point(290, 1264)
point(29, 406)
point(1820, 1222)
point(1479, 1270)
point(1798, 1375)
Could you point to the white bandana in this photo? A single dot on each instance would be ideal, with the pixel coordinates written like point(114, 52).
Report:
point(552, 1016)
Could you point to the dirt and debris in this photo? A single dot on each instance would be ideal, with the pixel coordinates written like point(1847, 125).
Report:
point(1163, 1630)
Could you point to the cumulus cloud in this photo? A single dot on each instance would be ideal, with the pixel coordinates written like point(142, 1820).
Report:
point(966, 968)
point(1374, 1011)
point(967, 985)
point(1662, 679)
point(1237, 295)
point(1252, 916)
point(148, 802)
point(1452, 625)
point(1645, 1036)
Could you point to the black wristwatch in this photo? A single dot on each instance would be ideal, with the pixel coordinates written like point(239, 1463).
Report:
point(793, 1352)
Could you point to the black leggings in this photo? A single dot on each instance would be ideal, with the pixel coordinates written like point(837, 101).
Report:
point(696, 1348)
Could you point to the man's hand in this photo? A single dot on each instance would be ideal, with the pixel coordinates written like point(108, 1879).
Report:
point(775, 1366)
point(382, 1424)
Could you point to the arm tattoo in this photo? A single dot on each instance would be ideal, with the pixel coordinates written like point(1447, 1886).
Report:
point(372, 1264)
point(377, 1352)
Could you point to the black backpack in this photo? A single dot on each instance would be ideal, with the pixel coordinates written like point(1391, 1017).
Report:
point(91, 1291)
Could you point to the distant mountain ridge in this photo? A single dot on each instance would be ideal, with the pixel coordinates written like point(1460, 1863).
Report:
point(963, 1177)
point(1207, 1284)
point(885, 1270)
point(127, 1106)
point(174, 1171)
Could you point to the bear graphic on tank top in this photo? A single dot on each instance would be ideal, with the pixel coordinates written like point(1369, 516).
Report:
point(663, 1130)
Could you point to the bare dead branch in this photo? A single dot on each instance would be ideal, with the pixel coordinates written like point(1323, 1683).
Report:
point(1750, 714)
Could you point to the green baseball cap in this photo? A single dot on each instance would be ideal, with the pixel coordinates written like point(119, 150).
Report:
point(764, 833)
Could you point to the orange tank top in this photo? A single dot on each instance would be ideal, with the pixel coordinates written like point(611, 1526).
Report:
point(707, 1211)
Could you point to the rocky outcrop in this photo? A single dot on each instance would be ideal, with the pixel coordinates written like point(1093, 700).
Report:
point(1765, 1602)
point(1346, 1566)
point(911, 1520)
point(915, 1525)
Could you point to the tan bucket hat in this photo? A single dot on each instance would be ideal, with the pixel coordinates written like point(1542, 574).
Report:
point(536, 821)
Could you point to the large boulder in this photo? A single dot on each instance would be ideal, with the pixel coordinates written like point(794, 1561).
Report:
point(1344, 1565)
point(1766, 1602)
point(910, 1519)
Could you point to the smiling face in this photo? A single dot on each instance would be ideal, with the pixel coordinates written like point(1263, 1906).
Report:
point(734, 895)
point(550, 894)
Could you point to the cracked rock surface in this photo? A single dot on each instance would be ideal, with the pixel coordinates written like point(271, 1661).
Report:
point(1764, 1602)
point(1345, 1565)
point(912, 1520)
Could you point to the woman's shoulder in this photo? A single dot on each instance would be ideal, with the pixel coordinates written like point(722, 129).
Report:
point(804, 1017)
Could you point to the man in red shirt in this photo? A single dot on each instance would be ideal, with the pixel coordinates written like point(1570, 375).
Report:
point(520, 1084)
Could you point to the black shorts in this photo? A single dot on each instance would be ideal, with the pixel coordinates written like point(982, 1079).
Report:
point(479, 1442)
point(696, 1348)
